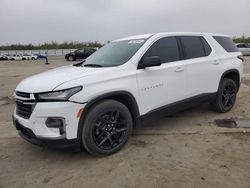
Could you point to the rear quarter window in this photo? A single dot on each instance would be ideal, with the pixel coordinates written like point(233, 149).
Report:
point(226, 43)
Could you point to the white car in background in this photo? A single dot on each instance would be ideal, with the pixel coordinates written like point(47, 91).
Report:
point(15, 57)
point(244, 48)
point(29, 57)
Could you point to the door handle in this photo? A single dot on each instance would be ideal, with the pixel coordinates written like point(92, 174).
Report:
point(216, 63)
point(179, 69)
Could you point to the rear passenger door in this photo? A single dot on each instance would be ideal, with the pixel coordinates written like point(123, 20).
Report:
point(165, 84)
point(201, 69)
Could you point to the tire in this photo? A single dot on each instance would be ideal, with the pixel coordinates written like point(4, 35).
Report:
point(107, 128)
point(226, 96)
point(33, 58)
point(71, 58)
point(23, 58)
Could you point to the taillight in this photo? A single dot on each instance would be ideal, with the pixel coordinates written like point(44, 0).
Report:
point(241, 57)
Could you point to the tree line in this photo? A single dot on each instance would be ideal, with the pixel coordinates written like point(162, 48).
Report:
point(76, 45)
point(241, 40)
point(52, 45)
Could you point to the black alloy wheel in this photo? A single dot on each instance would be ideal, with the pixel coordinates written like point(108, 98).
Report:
point(106, 128)
point(109, 130)
point(226, 96)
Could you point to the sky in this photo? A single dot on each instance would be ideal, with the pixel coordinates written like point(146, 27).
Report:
point(39, 21)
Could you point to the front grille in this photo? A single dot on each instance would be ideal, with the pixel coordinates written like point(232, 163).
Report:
point(23, 110)
point(25, 131)
point(22, 94)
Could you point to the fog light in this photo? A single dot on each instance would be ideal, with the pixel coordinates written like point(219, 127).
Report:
point(53, 122)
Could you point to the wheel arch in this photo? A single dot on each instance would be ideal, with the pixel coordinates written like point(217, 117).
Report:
point(233, 74)
point(124, 97)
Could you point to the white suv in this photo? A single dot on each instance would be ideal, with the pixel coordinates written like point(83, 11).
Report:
point(95, 104)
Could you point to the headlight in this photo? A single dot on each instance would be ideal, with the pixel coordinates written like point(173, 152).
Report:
point(62, 95)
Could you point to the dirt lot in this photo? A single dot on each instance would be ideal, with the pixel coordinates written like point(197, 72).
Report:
point(184, 150)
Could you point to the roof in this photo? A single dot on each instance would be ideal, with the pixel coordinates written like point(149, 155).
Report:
point(143, 36)
point(146, 36)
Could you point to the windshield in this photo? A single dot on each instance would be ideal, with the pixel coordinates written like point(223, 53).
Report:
point(114, 53)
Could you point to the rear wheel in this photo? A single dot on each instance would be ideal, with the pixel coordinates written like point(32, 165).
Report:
point(226, 96)
point(107, 128)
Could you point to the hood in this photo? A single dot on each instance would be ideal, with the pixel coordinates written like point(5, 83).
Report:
point(49, 80)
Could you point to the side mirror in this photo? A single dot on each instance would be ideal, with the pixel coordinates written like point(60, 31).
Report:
point(150, 62)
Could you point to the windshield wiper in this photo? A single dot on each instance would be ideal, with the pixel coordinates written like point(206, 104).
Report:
point(92, 65)
point(78, 64)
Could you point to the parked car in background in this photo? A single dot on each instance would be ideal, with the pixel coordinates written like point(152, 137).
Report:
point(15, 57)
point(3, 57)
point(80, 54)
point(29, 57)
point(244, 48)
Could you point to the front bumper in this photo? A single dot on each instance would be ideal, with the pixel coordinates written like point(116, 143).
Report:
point(59, 143)
point(35, 130)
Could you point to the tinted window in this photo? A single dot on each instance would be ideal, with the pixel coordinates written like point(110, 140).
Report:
point(166, 48)
point(88, 51)
point(193, 47)
point(79, 51)
point(226, 43)
point(241, 46)
point(206, 46)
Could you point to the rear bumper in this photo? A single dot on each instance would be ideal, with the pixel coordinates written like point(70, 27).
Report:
point(55, 143)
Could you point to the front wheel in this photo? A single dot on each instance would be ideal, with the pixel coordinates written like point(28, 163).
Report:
point(71, 58)
point(226, 96)
point(107, 128)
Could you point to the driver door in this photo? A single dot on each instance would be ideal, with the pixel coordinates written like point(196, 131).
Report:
point(165, 84)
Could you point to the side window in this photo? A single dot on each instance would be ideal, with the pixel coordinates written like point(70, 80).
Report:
point(206, 46)
point(166, 48)
point(87, 51)
point(226, 43)
point(192, 46)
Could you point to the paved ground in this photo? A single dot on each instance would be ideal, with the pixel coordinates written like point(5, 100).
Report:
point(184, 150)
